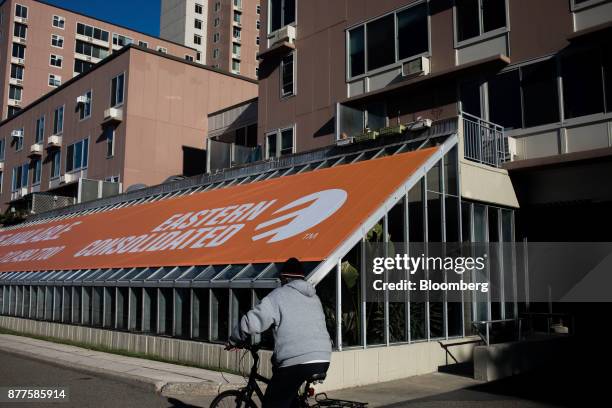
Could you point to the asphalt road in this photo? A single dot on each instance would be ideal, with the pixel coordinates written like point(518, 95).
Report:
point(86, 390)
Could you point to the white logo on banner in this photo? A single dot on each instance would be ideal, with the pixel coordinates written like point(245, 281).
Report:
point(323, 204)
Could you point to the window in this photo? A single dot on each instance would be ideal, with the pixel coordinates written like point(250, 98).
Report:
point(198, 55)
point(57, 41)
point(162, 50)
point(258, 24)
point(281, 13)
point(377, 39)
point(13, 110)
point(583, 84)
point(236, 49)
point(20, 177)
point(143, 44)
point(237, 32)
point(216, 53)
point(110, 141)
point(199, 9)
point(197, 24)
point(36, 170)
point(17, 71)
point(188, 58)
point(236, 66)
point(15, 92)
point(19, 140)
point(258, 9)
point(92, 32)
point(55, 80)
point(122, 40)
point(257, 40)
point(20, 30)
point(58, 120)
point(540, 96)
point(58, 22)
point(216, 37)
point(477, 17)
point(287, 75)
point(18, 51)
point(77, 155)
point(117, 84)
point(197, 39)
point(2, 149)
point(238, 3)
point(40, 130)
point(279, 143)
point(56, 60)
point(237, 17)
point(90, 50)
point(216, 22)
point(56, 156)
point(82, 66)
point(21, 11)
point(85, 107)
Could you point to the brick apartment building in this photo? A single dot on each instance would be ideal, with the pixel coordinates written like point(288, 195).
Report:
point(43, 46)
point(225, 32)
point(137, 117)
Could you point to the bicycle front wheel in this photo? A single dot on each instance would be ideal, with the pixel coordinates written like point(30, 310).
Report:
point(231, 399)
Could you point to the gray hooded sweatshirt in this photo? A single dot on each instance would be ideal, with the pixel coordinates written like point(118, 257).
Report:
point(296, 315)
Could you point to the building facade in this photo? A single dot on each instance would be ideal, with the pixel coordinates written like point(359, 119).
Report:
point(134, 118)
point(225, 32)
point(43, 46)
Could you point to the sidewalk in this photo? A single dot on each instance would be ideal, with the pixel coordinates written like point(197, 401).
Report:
point(162, 377)
point(197, 387)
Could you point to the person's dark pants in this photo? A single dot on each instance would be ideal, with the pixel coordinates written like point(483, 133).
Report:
point(286, 382)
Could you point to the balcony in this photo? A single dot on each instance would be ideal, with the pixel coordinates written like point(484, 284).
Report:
point(92, 40)
point(54, 141)
point(36, 150)
point(484, 142)
point(112, 116)
point(87, 58)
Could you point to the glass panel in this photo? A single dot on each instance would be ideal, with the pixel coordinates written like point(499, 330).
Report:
point(357, 51)
point(200, 313)
point(351, 297)
point(415, 213)
point(470, 98)
point(607, 68)
point(467, 19)
point(582, 84)
point(182, 312)
point(451, 208)
point(381, 42)
point(252, 271)
point(450, 172)
point(396, 227)
point(505, 100)
point(412, 31)
point(434, 217)
point(493, 14)
point(375, 305)
point(267, 337)
point(230, 272)
point(540, 96)
point(220, 314)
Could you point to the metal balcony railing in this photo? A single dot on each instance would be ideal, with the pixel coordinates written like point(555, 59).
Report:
point(484, 142)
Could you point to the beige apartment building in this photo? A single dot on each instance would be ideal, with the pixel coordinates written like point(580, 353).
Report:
point(136, 118)
point(224, 32)
point(43, 46)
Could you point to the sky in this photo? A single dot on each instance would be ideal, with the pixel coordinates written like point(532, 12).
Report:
point(139, 15)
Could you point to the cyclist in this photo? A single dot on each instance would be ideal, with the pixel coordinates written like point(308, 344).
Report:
point(302, 346)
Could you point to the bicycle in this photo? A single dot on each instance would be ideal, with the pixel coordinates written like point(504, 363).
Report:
point(243, 397)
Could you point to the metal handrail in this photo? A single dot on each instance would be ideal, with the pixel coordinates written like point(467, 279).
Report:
point(484, 142)
point(487, 323)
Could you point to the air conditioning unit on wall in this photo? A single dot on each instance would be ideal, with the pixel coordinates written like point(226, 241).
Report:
point(287, 33)
point(416, 67)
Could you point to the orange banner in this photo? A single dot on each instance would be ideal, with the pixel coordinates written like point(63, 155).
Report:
point(305, 216)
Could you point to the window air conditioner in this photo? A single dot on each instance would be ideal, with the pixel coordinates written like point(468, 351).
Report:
point(287, 33)
point(416, 67)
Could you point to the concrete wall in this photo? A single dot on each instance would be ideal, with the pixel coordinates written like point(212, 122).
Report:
point(503, 360)
point(485, 183)
point(349, 368)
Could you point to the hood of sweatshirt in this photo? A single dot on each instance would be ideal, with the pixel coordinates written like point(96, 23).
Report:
point(305, 288)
